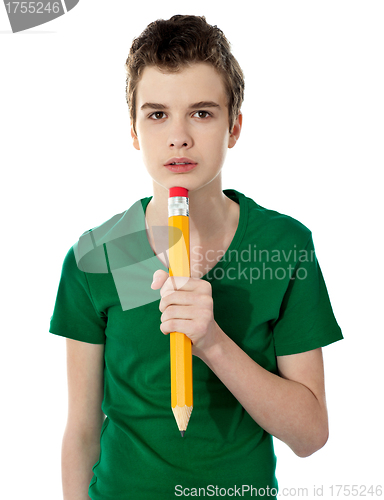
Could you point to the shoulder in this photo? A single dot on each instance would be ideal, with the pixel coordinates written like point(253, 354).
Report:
point(89, 252)
point(121, 224)
point(276, 226)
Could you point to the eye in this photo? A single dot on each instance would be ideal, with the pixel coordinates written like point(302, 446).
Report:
point(157, 115)
point(202, 114)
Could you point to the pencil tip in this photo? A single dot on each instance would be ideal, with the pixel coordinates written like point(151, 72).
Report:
point(182, 433)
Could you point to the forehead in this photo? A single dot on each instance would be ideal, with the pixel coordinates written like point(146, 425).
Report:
point(193, 83)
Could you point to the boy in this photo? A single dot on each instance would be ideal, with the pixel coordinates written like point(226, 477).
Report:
point(256, 306)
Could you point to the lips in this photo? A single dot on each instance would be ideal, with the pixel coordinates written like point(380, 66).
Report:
point(179, 161)
point(179, 165)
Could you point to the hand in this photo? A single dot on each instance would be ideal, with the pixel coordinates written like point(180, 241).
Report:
point(187, 309)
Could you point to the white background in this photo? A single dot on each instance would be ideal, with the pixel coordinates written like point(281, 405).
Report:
point(311, 147)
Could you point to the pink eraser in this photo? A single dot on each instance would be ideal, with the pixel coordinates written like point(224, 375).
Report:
point(178, 191)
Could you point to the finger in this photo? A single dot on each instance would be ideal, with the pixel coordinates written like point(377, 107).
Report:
point(174, 283)
point(177, 325)
point(177, 298)
point(159, 278)
point(179, 312)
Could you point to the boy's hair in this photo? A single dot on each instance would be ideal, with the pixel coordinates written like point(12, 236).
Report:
point(174, 43)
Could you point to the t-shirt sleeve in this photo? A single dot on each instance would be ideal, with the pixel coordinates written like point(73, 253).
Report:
point(75, 315)
point(306, 320)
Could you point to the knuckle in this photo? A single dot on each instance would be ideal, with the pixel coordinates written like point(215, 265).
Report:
point(206, 301)
point(207, 286)
point(206, 313)
point(209, 300)
point(170, 310)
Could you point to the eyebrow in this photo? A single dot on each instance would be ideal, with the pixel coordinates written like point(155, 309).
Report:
point(162, 107)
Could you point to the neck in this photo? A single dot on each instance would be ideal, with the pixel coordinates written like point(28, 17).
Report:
point(209, 210)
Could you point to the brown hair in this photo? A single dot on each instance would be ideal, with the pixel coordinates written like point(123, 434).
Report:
point(171, 44)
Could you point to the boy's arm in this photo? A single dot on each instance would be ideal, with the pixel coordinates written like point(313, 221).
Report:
point(291, 406)
point(81, 441)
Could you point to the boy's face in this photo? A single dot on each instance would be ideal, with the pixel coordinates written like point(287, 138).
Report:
point(183, 117)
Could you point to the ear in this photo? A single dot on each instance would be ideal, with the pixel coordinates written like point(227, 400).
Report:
point(235, 134)
point(135, 141)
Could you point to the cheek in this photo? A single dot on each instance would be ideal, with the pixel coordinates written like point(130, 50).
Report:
point(221, 141)
point(148, 146)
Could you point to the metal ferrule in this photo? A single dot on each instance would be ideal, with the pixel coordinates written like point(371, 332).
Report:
point(178, 205)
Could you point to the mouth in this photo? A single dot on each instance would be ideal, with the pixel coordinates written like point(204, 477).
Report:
point(179, 165)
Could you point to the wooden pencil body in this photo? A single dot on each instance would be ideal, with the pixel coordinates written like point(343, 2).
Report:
point(180, 344)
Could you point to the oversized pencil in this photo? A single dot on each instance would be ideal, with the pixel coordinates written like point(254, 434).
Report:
point(180, 344)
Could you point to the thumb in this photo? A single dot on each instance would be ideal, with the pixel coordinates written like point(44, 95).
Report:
point(159, 278)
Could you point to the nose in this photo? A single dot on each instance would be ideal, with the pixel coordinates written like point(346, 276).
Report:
point(179, 136)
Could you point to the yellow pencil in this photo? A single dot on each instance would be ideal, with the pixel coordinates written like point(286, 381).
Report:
point(180, 344)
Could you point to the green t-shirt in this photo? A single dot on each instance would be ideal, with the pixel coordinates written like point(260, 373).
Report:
point(269, 297)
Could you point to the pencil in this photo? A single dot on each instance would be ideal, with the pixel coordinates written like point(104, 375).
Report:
point(180, 344)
